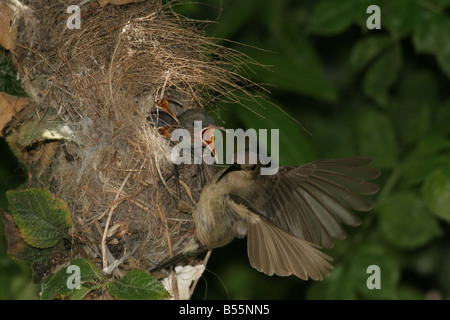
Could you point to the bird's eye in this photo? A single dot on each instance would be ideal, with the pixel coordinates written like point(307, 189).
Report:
point(253, 167)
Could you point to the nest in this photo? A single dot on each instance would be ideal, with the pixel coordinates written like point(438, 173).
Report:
point(99, 83)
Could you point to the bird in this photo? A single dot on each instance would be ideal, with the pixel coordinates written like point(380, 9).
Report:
point(208, 127)
point(287, 217)
point(163, 118)
point(165, 121)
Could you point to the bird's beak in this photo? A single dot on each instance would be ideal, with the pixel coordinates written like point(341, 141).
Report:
point(165, 131)
point(163, 105)
point(208, 138)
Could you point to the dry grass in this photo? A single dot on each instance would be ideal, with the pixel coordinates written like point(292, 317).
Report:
point(103, 81)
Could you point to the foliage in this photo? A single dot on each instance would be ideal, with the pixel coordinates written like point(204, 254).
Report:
point(135, 285)
point(379, 93)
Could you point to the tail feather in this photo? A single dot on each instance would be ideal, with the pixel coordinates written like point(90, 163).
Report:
point(272, 250)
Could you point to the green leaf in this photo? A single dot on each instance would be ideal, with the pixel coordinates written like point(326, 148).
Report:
point(338, 286)
point(412, 108)
point(233, 17)
point(17, 248)
point(433, 5)
point(436, 192)
point(376, 138)
point(57, 285)
point(428, 154)
point(366, 49)
point(8, 78)
point(443, 56)
point(406, 292)
point(44, 129)
point(382, 74)
point(406, 222)
point(431, 32)
point(293, 66)
point(294, 144)
point(42, 220)
point(431, 36)
point(331, 17)
point(137, 285)
point(374, 254)
point(399, 17)
point(79, 294)
point(332, 136)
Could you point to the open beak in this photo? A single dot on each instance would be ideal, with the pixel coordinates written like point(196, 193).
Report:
point(208, 138)
point(163, 105)
point(166, 131)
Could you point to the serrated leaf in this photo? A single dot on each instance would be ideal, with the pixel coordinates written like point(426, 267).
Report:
point(332, 17)
point(137, 285)
point(79, 294)
point(376, 138)
point(436, 192)
point(382, 74)
point(406, 222)
point(366, 50)
point(57, 286)
point(17, 248)
point(44, 129)
point(42, 220)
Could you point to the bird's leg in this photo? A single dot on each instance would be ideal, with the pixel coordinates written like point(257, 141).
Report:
point(176, 174)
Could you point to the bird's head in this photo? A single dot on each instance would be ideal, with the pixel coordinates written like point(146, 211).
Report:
point(208, 127)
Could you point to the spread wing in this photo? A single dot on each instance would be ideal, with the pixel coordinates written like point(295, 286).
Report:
point(273, 250)
point(313, 200)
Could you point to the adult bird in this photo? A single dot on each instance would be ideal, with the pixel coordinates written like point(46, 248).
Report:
point(287, 217)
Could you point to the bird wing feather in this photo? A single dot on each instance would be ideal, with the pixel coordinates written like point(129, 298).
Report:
point(272, 250)
point(313, 200)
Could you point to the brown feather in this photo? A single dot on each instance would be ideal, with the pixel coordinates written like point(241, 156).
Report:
point(274, 251)
point(312, 201)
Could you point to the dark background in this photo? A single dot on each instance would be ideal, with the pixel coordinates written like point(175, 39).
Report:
point(378, 93)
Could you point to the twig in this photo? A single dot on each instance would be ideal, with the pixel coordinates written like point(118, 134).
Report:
point(162, 215)
point(169, 243)
point(205, 261)
point(188, 191)
point(105, 232)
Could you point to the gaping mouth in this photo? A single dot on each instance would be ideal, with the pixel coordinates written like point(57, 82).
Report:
point(163, 105)
point(207, 136)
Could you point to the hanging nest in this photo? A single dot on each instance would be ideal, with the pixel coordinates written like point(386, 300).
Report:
point(85, 135)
